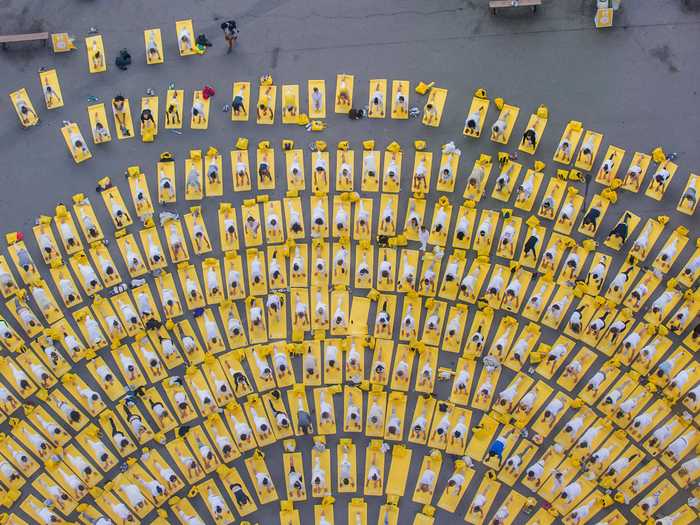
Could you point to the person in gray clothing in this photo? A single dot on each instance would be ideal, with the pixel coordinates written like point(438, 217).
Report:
point(25, 260)
point(304, 419)
point(690, 195)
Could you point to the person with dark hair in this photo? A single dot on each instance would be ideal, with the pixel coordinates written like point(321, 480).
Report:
point(152, 47)
point(241, 498)
point(172, 115)
point(498, 446)
point(70, 412)
point(316, 99)
point(295, 482)
point(529, 137)
point(123, 60)
point(118, 436)
point(147, 118)
point(264, 171)
point(238, 103)
point(134, 420)
point(153, 324)
point(230, 34)
point(119, 108)
point(690, 195)
point(203, 42)
point(265, 109)
point(25, 111)
point(621, 230)
point(590, 219)
point(356, 114)
point(304, 418)
point(530, 247)
point(239, 379)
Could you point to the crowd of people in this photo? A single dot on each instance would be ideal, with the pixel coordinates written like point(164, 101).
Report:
point(385, 325)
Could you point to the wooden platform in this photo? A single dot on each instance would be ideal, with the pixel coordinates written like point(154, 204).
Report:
point(29, 37)
point(494, 5)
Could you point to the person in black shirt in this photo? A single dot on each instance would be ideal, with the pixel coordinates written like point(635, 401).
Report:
point(123, 60)
point(147, 116)
point(230, 34)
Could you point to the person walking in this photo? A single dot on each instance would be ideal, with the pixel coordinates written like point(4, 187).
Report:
point(230, 34)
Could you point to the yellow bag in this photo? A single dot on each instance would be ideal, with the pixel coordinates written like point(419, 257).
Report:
point(658, 155)
point(394, 147)
point(422, 88)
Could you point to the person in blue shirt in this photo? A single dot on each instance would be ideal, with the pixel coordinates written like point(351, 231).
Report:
point(498, 446)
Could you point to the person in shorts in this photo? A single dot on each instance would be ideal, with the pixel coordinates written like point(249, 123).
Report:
point(230, 34)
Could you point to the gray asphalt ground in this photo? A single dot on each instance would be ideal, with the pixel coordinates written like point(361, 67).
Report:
point(636, 83)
